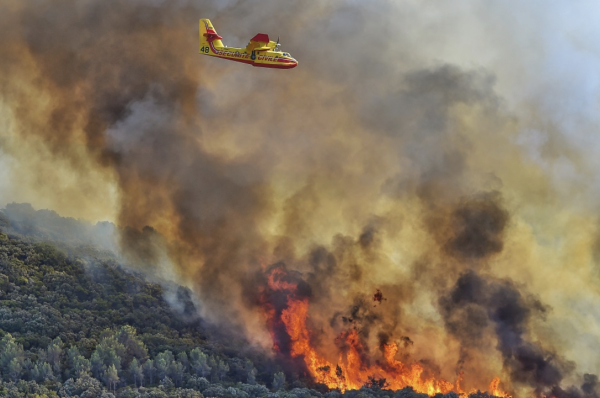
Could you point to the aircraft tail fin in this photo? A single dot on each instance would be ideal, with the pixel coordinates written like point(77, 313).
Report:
point(208, 35)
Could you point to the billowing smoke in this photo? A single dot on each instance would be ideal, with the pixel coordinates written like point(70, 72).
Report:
point(443, 158)
point(475, 305)
point(478, 227)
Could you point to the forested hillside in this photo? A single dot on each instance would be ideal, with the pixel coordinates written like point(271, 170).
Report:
point(74, 322)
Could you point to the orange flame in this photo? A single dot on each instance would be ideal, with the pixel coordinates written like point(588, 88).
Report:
point(350, 373)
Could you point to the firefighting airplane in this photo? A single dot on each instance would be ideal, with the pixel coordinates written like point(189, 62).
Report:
point(260, 52)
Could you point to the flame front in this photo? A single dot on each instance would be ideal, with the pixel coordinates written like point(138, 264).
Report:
point(350, 372)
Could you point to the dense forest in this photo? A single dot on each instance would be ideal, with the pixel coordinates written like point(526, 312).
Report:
point(76, 322)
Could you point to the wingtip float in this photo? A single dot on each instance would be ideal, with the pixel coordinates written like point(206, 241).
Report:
point(260, 51)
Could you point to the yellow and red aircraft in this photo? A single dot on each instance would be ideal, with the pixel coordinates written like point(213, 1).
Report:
point(260, 51)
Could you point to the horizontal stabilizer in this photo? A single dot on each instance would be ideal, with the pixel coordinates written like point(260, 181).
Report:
point(210, 33)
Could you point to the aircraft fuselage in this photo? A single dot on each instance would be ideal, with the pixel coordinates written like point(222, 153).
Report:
point(265, 59)
point(260, 52)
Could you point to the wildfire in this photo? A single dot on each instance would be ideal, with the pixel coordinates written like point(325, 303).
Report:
point(350, 372)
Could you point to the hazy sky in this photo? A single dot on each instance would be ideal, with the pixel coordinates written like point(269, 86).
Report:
point(422, 123)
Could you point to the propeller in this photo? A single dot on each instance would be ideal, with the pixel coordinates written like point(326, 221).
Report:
point(277, 45)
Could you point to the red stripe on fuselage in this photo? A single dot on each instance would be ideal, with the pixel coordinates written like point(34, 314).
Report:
point(250, 62)
point(289, 64)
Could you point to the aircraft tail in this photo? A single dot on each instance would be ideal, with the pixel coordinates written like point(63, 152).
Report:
point(208, 34)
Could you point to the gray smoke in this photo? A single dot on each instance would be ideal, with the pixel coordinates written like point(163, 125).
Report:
point(414, 150)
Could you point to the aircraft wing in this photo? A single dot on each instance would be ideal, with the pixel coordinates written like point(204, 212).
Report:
point(260, 42)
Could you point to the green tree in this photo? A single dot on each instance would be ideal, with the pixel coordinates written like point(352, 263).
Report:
point(15, 369)
point(71, 353)
point(219, 368)
point(176, 371)
point(198, 383)
point(278, 381)
point(183, 358)
point(162, 362)
point(42, 371)
point(167, 383)
point(111, 377)
point(84, 386)
point(134, 347)
point(250, 372)
point(81, 366)
point(106, 355)
point(54, 354)
point(97, 365)
point(222, 369)
point(135, 370)
point(77, 364)
point(199, 362)
point(149, 370)
point(12, 357)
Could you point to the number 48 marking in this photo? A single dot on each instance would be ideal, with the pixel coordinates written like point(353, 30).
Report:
point(204, 50)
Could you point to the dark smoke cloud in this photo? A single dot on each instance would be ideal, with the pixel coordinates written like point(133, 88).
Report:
point(357, 170)
point(589, 389)
point(477, 306)
point(478, 225)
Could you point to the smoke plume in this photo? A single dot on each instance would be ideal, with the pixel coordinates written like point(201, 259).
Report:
point(442, 156)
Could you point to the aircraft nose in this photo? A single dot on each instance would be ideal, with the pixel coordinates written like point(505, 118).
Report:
point(293, 64)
